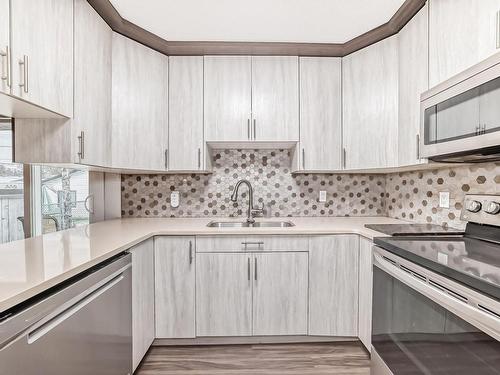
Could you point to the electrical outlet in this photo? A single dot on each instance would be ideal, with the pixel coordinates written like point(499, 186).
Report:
point(322, 196)
point(444, 199)
point(174, 199)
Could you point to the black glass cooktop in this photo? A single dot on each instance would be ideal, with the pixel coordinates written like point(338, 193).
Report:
point(413, 229)
point(469, 261)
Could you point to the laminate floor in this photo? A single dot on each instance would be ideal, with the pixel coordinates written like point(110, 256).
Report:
point(270, 359)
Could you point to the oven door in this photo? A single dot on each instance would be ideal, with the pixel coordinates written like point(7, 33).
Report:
point(419, 328)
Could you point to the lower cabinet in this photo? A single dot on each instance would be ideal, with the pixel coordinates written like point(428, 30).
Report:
point(333, 285)
point(143, 300)
point(174, 280)
point(245, 294)
point(365, 291)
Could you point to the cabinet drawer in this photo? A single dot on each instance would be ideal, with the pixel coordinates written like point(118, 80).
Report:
point(251, 243)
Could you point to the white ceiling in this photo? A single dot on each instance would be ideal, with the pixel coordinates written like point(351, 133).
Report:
point(308, 21)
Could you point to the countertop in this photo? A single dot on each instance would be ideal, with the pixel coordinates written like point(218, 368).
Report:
point(29, 267)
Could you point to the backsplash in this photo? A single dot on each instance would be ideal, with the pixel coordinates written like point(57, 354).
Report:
point(269, 172)
point(415, 195)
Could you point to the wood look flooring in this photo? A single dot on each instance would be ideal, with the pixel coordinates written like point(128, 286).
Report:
point(271, 359)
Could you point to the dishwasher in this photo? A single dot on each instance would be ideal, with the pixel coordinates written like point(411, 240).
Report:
point(83, 326)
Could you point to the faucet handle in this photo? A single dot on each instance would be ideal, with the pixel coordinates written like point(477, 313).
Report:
point(258, 211)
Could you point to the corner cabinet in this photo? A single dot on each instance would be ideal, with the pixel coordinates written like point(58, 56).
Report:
point(143, 300)
point(175, 287)
point(370, 106)
point(139, 106)
point(320, 113)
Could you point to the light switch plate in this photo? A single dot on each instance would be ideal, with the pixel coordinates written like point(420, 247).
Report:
point(322, 196)
point(444, 199)
point(174, 199)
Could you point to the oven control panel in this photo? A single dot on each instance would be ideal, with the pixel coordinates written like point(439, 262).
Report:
point(482, 209)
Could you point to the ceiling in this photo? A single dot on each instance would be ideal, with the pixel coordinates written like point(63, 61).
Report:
point(299, 21)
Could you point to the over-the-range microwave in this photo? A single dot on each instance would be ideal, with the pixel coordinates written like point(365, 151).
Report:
point(460, 118)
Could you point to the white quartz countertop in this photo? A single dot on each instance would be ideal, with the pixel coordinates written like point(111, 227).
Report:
point(29, 267)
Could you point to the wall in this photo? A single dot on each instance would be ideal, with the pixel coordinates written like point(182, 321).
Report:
point(269, 172)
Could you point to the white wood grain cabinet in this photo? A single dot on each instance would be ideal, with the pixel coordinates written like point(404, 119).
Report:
point(370, 106)
point(413, 81)
point(333, 278)
point(223, 294)
point(5, 49)
point(228, 98)
point(280, 293)
point(365, 291)
point(275, 98)
point(42, 53)
point(139, 106)
point(175, 287)
point(143, 300)
point(185, 144)
point(320, 113)
point(462, 33)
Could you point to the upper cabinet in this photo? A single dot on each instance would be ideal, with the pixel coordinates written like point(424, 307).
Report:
point(275, 98)
point(370, 106)
point(139, 106)
point(41, 53)
point(413, 81)
point(320, 113)
point(462, 33)
point(92, 113)
point(185, 144)
point(5, 68)
point(228, 98)
point(251, 98)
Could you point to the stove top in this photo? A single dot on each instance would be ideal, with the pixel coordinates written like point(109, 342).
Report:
point(413, 229)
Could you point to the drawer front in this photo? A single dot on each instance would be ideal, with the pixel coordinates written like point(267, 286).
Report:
point(251, 243)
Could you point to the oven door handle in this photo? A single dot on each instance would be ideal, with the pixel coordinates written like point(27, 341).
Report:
point(486, 322)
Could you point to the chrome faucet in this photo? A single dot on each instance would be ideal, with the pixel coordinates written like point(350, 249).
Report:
point(251, 210)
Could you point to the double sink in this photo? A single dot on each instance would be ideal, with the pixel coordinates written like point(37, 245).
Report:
point(244, 224)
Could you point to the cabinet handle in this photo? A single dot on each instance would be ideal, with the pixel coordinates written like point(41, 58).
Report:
point(7, 76)
point(255, 269)
point(418, 146)
point(199, 158)
point(190, 252)
point(166, 158)
point(498, 29)
point(303, 159)
point(81, 143)
point(254, 129)
point(248, 129)
point(25, 64)
point(248, 269)
point(258, 243)
point(344, 158)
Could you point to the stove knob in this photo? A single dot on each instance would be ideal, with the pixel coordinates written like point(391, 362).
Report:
point(492, 208)
point(473, 206)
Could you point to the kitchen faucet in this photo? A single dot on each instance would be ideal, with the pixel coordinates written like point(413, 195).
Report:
point(251, 210)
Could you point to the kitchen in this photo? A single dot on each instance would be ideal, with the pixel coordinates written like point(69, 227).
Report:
point(183, 192)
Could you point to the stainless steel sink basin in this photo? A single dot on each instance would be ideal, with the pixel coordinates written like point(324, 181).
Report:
point(244, 224)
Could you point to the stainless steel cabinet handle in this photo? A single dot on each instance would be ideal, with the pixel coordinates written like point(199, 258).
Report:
point(254, 129)
point(199, 158)
point(166, 158)
point(7, 76)
point(418, 146)
point(25, 64)
point(81, 140)
point(303, 159)
point(255, 271)
point(344, 158)
point(498, 29)
point(248, 129)
point(248, 269)
point(191, 252)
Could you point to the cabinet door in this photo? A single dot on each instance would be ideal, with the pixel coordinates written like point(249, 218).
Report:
point(275, 98)
point(370, 106)
point(333, 300)
point(175, 287)
point(42, 38)
point(223, 294)
point(413, 81)
point(462, 33)
point(139, 110)
point(320, 113)
point(5, 73)
point(365, 291)
point(185, 113)
point(228, 98)
point(92, 112)
point(143, 300)
point(280, 294)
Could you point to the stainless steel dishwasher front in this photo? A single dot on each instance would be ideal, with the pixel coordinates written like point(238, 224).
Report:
point(84, 327)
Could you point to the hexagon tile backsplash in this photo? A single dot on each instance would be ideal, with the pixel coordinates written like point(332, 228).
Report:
point(269, 172)
point(410, 196)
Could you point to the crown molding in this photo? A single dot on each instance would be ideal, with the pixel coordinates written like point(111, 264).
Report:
point(171, 48)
